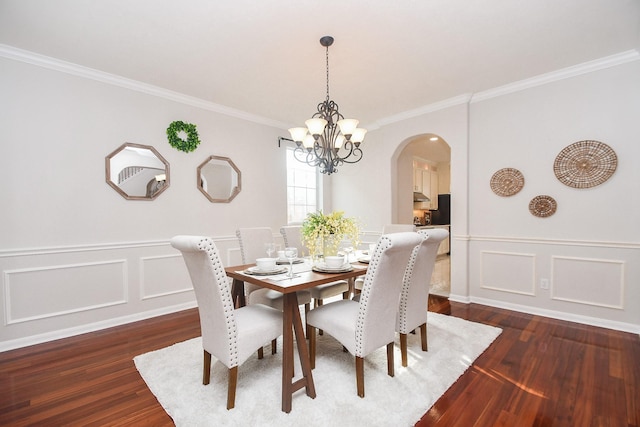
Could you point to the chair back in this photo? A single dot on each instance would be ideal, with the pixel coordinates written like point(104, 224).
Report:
point(380, 294)
point(252, 241)
point(397, 228)
point(292, 235)
point(213, 295)
point(417, 278)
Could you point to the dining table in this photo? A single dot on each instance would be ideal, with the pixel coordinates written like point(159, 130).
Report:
point(305, 277)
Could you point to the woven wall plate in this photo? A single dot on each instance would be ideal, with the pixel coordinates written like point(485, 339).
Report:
point(585, 164)
point(507, 182)
point(542, 206)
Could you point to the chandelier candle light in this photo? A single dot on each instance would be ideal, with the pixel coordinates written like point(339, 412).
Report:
point(329, 140)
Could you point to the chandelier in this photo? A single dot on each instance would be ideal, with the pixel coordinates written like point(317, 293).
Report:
point(329, 140)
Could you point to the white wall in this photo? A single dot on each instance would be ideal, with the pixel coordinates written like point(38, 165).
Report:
point(74, 254)
point(589, 251)
point(594, 234)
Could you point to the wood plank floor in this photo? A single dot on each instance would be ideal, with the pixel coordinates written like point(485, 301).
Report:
point(539, 372)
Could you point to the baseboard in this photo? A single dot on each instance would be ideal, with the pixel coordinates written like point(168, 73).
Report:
point(586, 320)
point(92, 327)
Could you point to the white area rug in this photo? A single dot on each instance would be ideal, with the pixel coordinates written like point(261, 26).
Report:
point(174, 375)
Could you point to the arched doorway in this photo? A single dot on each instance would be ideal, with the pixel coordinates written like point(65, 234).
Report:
point(424, 166)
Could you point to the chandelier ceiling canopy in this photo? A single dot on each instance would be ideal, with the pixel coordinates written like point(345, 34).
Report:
point(328, 140)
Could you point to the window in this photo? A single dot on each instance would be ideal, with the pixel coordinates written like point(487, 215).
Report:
point(302, 189)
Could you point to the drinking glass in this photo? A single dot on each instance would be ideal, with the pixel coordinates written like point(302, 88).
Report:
point(347, 247)
point(270, 248)
point(291, 254)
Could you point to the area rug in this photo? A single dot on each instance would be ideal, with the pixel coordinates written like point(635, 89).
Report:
point(174, 375)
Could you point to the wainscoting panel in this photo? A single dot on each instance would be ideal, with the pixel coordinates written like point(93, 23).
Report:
point(34, 293)
point(163, 275)
point(508, 272)
point(596, 282)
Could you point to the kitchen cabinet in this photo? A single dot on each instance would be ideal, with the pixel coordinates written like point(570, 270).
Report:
point(425, 181)
point(417, 180)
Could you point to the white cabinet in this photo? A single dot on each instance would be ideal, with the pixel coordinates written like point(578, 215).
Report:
point(417, 180)
point(430, 188)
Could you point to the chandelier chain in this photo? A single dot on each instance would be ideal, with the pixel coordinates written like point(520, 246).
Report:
point(327, 56)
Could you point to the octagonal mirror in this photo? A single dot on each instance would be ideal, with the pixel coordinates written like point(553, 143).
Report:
point(137, 172)
point(219, 179)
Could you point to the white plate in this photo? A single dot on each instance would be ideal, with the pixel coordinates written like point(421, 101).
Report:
point(322, 267)
point(259, 272)
point(365, 259)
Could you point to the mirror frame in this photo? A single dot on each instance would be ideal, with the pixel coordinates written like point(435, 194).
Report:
point(122, 192)
point(234, 191)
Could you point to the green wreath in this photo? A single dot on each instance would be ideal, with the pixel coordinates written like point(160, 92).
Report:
point(192, 141)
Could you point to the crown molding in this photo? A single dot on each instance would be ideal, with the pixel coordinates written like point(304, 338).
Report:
point(565, 73)
point(554, 76)
point(430, 108)
point(32, 58)
point(16, 54)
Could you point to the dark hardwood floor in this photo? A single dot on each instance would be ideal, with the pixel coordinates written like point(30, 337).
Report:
point(538, 372)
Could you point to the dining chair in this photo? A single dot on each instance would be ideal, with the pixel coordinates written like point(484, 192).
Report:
point(228, 334)
point(366, 325)
point(386, 229)
point(414, 296)
point(292, 235)
point(252, 246)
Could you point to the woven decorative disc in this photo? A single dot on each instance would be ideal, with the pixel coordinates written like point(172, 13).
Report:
point(542, 206)
point(585, 164)
point(507, 182)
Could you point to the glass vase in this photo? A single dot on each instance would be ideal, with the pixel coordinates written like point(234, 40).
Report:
point(330, 245)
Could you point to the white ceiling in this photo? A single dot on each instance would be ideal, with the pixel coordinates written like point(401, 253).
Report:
point(263, 56)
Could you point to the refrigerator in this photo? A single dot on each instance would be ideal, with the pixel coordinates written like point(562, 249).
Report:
point(442, 216)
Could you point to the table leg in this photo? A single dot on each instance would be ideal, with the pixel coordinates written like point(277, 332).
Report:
point(237, 293)
point(292, 322)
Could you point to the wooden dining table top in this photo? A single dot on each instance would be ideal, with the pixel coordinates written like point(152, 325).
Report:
point(304, 277)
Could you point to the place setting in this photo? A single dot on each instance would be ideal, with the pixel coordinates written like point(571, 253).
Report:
point(332, 264)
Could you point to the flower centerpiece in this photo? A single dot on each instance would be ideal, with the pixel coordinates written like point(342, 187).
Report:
point(322, 234)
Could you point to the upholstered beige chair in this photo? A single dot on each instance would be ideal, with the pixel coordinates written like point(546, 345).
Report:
point(364, 326)
point(386, 229)
point(414, 296)
point(229, 334)
point(292, 235)
point(252, 246)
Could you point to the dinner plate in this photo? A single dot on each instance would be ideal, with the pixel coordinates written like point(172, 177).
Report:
point(258, 272)
point(364, 259)
point(322, 268)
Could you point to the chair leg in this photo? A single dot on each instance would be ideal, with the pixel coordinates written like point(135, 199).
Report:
point(274, 346)
point(231, 391)
point(206, 368)
point(390, 359)
point(423, 335)
point(319, 303)
point(312, 346)
point(360, 375)
point(307, 327)
point(403, 349)
point(260, 353)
